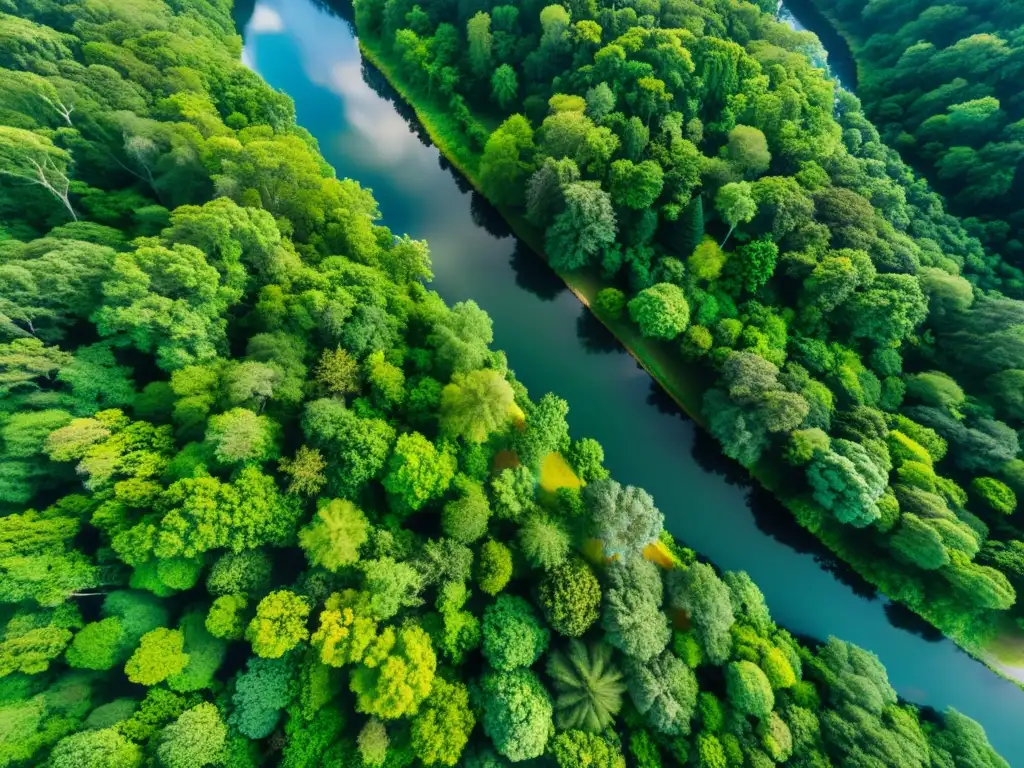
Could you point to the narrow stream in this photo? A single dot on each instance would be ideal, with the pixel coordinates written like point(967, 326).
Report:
point(554, 344)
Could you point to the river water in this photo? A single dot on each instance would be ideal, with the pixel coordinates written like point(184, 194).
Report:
point(554, 344)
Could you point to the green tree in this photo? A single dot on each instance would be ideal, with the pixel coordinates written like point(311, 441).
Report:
point(664, 691)
point(623, 518)
point(332, 540)
point(465, 519)
point(748, 151)
point(708, 601)
point(735, 203)
point(517, 713)
point(504, 85)
point(513, 634)
point(635, 186)
point(395, 674)
point(748, 689)
point(544, 541)
point(661, 311)
point(494, 567)
point(573, 748)
point(507, 161)
point(417, 472)
point(160, 655)
point(475, 405)
point(570, 596)
point(579, 232)
point(588, 687)
point(194, 740)
point(480, 43)
point(239, 435)
point(105, 748)
point(631, 614)
point(441, 728)
point(279, 624)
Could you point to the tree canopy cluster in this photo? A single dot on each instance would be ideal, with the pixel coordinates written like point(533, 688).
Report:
point(265, 497)
point(941, 81)
point(741, 209)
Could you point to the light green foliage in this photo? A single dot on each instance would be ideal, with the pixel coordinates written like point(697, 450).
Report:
point(395, 673)
point(493, 567)
point(461, 337)
point(588, 686)
point(205, 655)
point(575, 748)
point(661, 311)
point(513, 634)
point(226, 618)
point(417, 472)
point(242, 572)
point(805, 444)
point(512, 491)
point(635, 186)
point(159, 656)
point(332, 540)
point(517, 713)
point(735, 205)
point(343, 635)
point(610, 302)
point(776, 737)
point(337, 373)
point(386, 380)
point(441, 728)
point(194, 740)
point(391, 585)
point(465, 518)
point(570, 596)
point(240, 435)
point(279, 624)
point(373, 743)
point(707, 260)
point(475, 405)
point(504, 164)
point(748, 688)
point(995, 494)
point(104, 748)
point(204, 514)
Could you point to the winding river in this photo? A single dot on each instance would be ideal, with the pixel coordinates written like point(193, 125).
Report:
point(554, 344)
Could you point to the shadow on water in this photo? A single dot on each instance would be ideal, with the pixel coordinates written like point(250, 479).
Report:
point(533, 275)
point(903, 618)
point(596, 338)
point(484, 214)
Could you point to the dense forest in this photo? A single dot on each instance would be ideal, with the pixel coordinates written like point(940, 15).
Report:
point(942, 83)
point(267, 500)
point(743, 211)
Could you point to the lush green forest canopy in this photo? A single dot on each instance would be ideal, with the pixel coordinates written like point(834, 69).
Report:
point(741, 209)
point(266, 500)
point(942, 82)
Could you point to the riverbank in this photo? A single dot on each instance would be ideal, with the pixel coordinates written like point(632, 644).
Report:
point(685, 384)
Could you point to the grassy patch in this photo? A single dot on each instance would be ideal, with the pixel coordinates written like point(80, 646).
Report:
point(556, 473)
